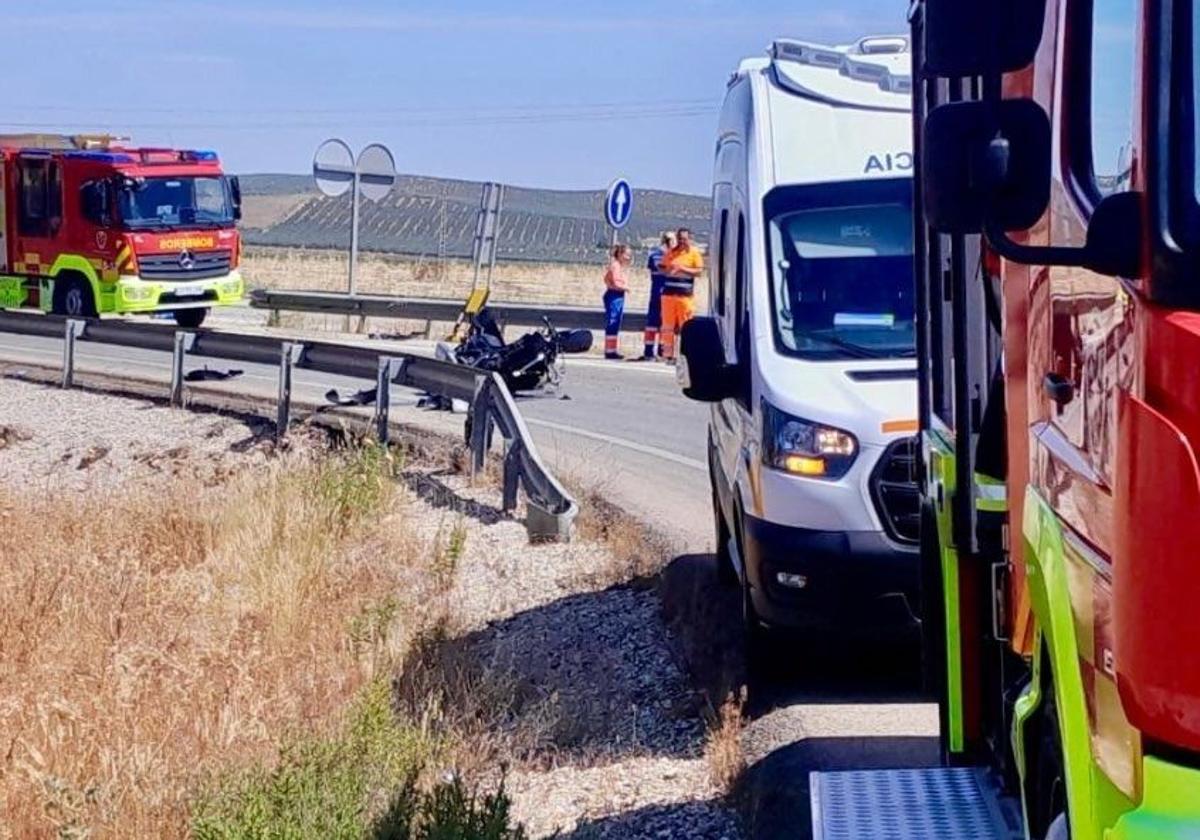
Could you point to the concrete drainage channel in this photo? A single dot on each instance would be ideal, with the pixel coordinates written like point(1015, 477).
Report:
point(551, 510)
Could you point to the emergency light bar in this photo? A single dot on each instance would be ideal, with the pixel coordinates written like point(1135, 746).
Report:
point(101, 157)
point(164, 156)
point(878, 60)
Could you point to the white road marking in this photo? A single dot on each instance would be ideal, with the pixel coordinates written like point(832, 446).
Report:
point(682, 460)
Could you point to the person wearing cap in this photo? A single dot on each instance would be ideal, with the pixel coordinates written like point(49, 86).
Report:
point(616, 284)
point(658, 281)
point(681, 265)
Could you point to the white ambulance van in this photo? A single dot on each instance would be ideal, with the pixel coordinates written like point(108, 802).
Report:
point(808, 351)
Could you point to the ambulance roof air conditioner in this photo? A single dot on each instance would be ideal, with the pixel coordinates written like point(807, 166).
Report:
point(873, 73)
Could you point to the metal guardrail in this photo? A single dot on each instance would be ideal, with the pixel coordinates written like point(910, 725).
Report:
point(437, 309)
point(550, 508)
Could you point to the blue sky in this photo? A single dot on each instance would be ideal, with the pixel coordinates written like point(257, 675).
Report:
point(536, 92)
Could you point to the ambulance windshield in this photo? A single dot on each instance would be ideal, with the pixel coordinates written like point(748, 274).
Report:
point(176, 202)
point(842, 274)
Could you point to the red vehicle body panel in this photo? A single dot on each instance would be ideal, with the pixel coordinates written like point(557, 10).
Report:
point(1117, 461)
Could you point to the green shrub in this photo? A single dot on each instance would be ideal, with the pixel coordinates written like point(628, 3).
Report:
point(357, 485)
point(361, 784)
point(451, 812)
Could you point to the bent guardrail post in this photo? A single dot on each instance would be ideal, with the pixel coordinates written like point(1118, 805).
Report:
point(550, 509)
point(512, 474)
point(289, 354)
point(74, 329)
point(183, 344)
point(481, 422)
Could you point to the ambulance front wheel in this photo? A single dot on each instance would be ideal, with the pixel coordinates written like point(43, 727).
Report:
point(190, 318)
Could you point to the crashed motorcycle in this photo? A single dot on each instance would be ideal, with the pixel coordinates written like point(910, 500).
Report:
point(531, 362)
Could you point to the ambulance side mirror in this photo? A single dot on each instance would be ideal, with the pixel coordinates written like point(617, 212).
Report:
point(703, 372)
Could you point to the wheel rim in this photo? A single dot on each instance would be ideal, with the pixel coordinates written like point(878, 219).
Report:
point(73, 301)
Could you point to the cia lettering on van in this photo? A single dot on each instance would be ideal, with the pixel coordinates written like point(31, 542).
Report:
point(889, 162)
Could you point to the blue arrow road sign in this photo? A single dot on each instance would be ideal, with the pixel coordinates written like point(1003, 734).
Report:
point(618, 204)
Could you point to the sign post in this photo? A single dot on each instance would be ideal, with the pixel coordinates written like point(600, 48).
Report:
point(371, 176)
point(618, 207)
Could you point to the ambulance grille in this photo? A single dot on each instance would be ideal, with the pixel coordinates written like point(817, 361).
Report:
point(895, 491)
point(192, 265)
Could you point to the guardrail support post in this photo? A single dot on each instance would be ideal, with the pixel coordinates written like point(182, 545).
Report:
point(512, 474)
point(481, 423)
point(390, 369)
point(289, 354)
point(74, 329)
point(183, 344)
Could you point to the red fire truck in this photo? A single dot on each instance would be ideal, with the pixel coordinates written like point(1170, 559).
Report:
point(1058, 263)
point(89, 226)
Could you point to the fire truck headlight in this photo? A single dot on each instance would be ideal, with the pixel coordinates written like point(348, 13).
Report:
point(137, 294)
point(231, 287)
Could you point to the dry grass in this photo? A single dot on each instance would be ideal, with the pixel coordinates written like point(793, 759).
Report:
point(636, 553)
point(148, 641)
point(550, 283)
point(723, 751)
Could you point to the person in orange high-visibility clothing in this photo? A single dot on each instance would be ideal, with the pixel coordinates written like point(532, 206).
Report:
point(681, 265)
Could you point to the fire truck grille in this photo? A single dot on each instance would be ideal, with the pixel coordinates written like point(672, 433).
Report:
point(895, 491)
point(198, 265)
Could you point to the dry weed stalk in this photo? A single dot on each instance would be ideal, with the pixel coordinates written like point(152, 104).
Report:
point(723, 751)
point(146, 640)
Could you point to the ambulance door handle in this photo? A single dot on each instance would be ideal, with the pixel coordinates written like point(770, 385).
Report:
point(1060, 389)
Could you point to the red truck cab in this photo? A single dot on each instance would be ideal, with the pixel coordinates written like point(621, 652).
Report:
point(88, 226)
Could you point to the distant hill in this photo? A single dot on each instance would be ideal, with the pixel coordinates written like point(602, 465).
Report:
point(432, 216)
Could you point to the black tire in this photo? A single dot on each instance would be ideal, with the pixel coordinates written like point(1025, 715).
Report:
point(727, 574)
point(189, 318)
point(1048, 808)
point(73, 298)
point(757, 638)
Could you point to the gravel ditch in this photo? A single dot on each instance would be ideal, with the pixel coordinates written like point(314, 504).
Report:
point(75, 441)
point(607, 731)
point(608, 728)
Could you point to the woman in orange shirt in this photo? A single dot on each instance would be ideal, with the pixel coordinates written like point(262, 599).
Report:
point(616, 283)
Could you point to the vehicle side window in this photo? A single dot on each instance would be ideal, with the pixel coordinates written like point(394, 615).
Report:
point(720, 291)
point(1195, 91)
point(34, 216)
point(54, 197)
point(94, 203)
point(742, 331)
point(1114, 24)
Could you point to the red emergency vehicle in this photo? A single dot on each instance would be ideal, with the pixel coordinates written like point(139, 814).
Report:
point(90, 226)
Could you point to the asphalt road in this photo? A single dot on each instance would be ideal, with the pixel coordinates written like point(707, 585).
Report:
point(624, 428)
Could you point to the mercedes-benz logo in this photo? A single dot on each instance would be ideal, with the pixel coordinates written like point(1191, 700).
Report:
point(187, 260)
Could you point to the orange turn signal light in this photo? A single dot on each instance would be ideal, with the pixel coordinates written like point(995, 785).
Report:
point(803, 465)
point(892, 426)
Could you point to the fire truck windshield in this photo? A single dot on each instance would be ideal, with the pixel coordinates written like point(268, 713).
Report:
point(202, 201)
point(842, 273)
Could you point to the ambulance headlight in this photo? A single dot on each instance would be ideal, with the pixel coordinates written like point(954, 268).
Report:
point(801, 447)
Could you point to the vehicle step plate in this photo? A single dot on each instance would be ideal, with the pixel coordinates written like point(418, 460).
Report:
point(935, 803)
